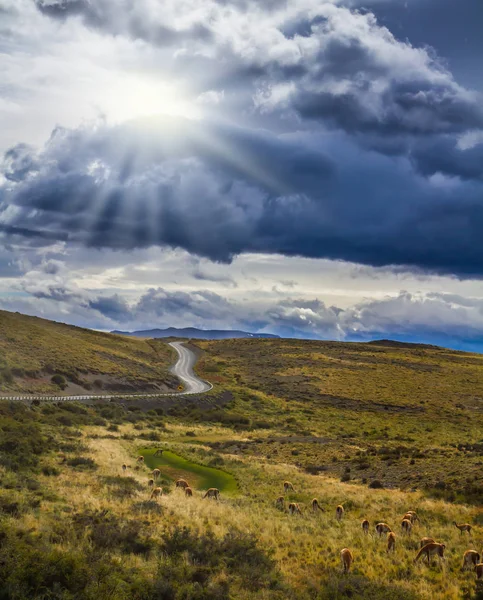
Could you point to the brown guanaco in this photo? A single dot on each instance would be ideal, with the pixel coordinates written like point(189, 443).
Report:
point(156, 493)
point(431, 549)
point(382, 528)
point(280, 502)
point(411, 516)
point(294, 508)
point(347, 559)
point(339, 512)
point(391, 542)
point(140, 459)
point(406, 526)
point(463, 527)
point(365, 526)
point(150, 482)
point(156, 473)
point(212, 493)
point(182, 483)
point(316, 506)
point(124, 468)
point(470, 559)
point(426, 540)
point(188, 492)
point(288, 486)
point(479, 571)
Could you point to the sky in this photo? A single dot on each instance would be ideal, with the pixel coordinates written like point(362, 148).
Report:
point(309, 168)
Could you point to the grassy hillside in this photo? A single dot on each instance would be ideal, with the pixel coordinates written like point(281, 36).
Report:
point(33, 351)
point(380, 429)
point(73, 525)
point(405, 415)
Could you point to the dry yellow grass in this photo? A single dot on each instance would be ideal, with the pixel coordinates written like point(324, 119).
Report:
point(306, 547)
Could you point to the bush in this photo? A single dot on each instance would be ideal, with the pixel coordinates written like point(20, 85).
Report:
point(59, 380)
point(21, 444)
point(123, 487)
point(236, 552)
point(376, 484)
point(108, 532)
point(81, 462)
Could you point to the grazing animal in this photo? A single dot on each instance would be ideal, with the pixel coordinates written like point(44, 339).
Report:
point(406, 526)
point(124, 468)
point(156, 473)
point(158, 452)
point(479, 571)
point(156, 493)
point(463, 527)
point(470, 559)
point(151, 482)
point(212, 493)
point(365, 526)
point(426, 540)
point(339, 512)
point(280, 502)
point(347, 559)
point(431, 549)
point(382, 528)
point(294, 508)
point(188, 492)
point(288, 486)
point(140, 459)
point(391, 542)
point(316, 506)
point(182, 483)
point(411, 516)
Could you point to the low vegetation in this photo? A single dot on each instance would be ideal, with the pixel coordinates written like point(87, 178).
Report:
point(42, 357)
point(381, 414)
point(74, 524)
point(379, 429)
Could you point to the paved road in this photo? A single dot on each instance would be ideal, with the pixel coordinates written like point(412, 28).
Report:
point(183, 369)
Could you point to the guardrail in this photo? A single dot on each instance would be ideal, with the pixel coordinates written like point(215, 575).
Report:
point(103, 396)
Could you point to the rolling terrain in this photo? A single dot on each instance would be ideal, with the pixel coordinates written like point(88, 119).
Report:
point(404, 415)
point(44, 357)
point(378, 428)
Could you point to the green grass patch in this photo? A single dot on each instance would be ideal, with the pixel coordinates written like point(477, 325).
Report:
point(173, 467)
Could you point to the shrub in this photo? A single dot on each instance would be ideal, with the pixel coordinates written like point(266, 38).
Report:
point(82, 462)
point(237, 552)
point(123, 487)
point(21, 443)
point(59, 380)
point(107, 531)
point(376, 484)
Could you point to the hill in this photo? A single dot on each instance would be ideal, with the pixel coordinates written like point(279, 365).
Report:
point(406, 415)
point(74, 524)
point(194, 333)
point(36, 353)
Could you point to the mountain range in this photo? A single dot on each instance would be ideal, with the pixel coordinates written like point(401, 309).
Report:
point(195, 333)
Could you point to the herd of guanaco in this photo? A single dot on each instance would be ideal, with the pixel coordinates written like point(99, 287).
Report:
point(157, 492)
point(428, 546)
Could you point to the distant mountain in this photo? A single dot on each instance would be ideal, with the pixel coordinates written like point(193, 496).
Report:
point(193, 332)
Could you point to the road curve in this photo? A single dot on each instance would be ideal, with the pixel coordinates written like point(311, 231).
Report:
point(183, 369)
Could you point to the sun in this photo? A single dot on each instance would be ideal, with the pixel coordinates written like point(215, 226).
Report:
point(132, 97)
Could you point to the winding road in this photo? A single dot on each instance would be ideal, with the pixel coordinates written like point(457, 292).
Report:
point(183, 369)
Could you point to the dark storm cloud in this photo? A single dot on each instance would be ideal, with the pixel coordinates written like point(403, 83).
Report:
point(217, 191)
point(365, 161)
